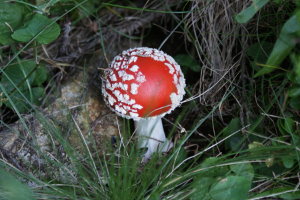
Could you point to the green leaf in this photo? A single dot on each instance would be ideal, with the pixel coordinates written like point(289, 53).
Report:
point(11, 16)
point(39, 27)
point(234, 142)
point(231, 187)
point(20, 103)
point(296, 139)
point(188, 61)
point(283, 46)
point(259, 51)
point(288, 161)
point(280, 126)
point(245, 15)
point(295, 103)
point(287, 196)
point(21, 74)
point(155, 196)
point(289, 125)
point(45, 5)
point(41, 75)
point(296, 62)
point(245, 170)
point(87, 8)
point(286, 125)
point(214, 171)
point(12, 189)
point(291, 195)
point(294, 92)
point(201, 187)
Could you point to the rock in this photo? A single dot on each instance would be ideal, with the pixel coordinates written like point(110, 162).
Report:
point(81, 117)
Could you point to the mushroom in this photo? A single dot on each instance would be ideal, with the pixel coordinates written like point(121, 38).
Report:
point(144, 84)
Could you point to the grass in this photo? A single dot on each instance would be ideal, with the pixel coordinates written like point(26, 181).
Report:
point(242, 142)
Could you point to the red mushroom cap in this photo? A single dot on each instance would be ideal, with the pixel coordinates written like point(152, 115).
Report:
point(143, 82)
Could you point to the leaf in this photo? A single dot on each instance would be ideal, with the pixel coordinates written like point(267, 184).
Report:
point(296, 62)
point(87, 8)
point(20, 103)
point(231, 187)
point(13, 189)
point(20, 74)
point(245, 15)
point(289, 125)
point(286, 125)
point(38, 92)
point(11, 16)
point(295, 103)
point(155, 196)
point(283, 46)
point(235, 142)
point(294, 92)
point(44, 6)
point(287, 196)
point(188, 61)
point(288, 161)
point(291, 195)
point(201, 187)
point(41, 75)
point(44, 29)
point(259, 51)
point(245, 170)
point(214, 171)
point(296, 139)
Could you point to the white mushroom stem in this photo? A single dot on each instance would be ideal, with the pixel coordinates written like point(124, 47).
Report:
point(151, 135)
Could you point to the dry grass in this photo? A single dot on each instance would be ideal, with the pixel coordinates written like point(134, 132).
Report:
point(219, 43)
